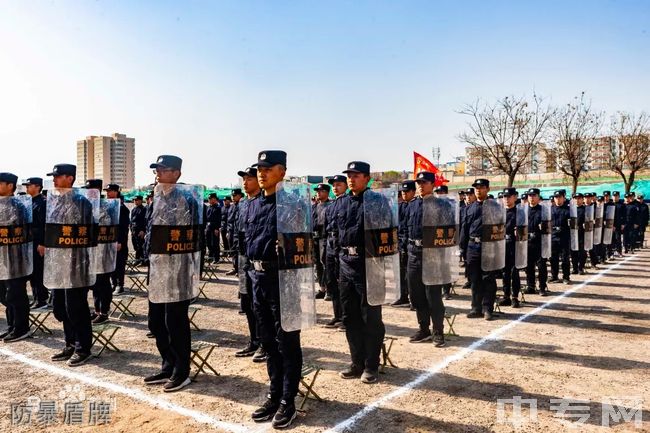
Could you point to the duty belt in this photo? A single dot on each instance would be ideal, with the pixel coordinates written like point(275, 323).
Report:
point(350, 251)
point(557, 229)
point(264, 265)
point(476, 240)
point(532, 236)
point(509, 238)
point(416, 242)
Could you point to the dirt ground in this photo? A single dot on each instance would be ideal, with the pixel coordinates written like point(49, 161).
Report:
point(589, 345)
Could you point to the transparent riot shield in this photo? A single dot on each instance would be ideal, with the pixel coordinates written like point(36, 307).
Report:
point(546, 229)
point(521, 236)
point(598, 224)
point(440, 233)
point(493, 241)
point(573, 224)
point(71, 216)
point(109, 220)
point(589, 227)
point(382, 259)
point(608, 231)
point(16, 247)
point(174, 243)
point(295, 260)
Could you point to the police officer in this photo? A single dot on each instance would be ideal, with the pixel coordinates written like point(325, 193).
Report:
point(138, 228)
point(631, 223)
point(590, 201)
point(34, 187)
point(511, 280)
point(427, 299)
point(560, 239)
point(284, 363)
point(407, 191)
point(644, 217)
point(483, 284)
point(147, 218)
point(578, 258)
point(225, 209)
point(364, 326)
point(332, 250)
point(318, 224)
point(233, 237)
point(470, 197)
point(70, 305)
point(619, 222)
point(117, 277)
point(13, 291)
point(535, 259)
point(252, 189)
point(212, 227)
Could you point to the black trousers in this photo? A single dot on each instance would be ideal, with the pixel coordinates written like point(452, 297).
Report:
point(170, 324)
point(484, 284)
point(364, 327)
point(246, 304)
point(405, 292)
point(103, 294)
point(284, 363)
point(319, 261)
point(138, 246)
point(117, 277)
point(71, 308)
point(641, 236)
point(13, 295)
point(578, 259)
point(617, 239)
point(630, 239)
point(332, 283)
point(427, 300)
point(212, 242)
point(560, 251)
point(511, 280)
point(224, 240)
point(535, 261)
point(39, 291)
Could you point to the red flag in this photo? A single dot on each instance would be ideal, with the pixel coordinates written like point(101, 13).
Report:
point(422, 164)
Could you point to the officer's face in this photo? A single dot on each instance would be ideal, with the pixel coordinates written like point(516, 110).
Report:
point(236, 198)
point(425, 188)
point(323, 195)
point(212, 201)
point(63, 181)
point(533, 199)
point(510, 200)
point(340, 187)
point(471, 198)
point(408, 195)
point(559, 200)
point(33, 190)
point(268, 177)
point(580, 201)
point(6, 189)
point(137, 202)
point(250, 184)
point(357, 182)
point(167, 175)
point(481, 192)
point(114, 194)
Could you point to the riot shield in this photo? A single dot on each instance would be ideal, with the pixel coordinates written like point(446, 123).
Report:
point(573, 224)
point(295, 259)
point(521, 236)
point(175, 256)
point(546, 229)
point(493, 240)
point(598, 224)
point(71, 216)
point(16, 248)
point(242, 261)
point(440, 233)
point(589, 227)
point(109, 220)
point(382, 259)
point(608, 231)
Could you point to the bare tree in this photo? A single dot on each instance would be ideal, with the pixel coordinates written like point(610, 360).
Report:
point(631, 150)
point(574, 129)
point(505, 132)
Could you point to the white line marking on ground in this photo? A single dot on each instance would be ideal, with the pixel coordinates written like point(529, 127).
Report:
point(129, 392)
point(347, 424)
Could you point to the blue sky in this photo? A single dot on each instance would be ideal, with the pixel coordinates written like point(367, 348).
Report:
point(329, 82)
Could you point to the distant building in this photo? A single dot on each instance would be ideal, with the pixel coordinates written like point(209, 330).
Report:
point(110, 158)
point(540, 159)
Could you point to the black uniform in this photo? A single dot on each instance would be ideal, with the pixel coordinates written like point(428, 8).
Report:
point(632, 222)
point(225, 210)
point(483, 284)
point(511, 280)
point(426, 299)
point(39, 291)
point(117, 277)
point(364, 326)
point(619, 222)
point(233, 238)
point(535, 259)
point(138, 225)
point(318, 223)
point(644, 216)
point(212, 227)
point(284, 362)
point(579, 258)
point(246, 299)
point(403, 253)
point(560, 242)
point(332, 265)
